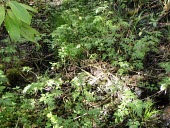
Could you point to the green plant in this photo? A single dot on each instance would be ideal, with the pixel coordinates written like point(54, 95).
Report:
point(17, 20)
point(166, 66)
point(8, 52)
point(134, 110)
point(164, 84)
point(95, 48)
point(3, 78)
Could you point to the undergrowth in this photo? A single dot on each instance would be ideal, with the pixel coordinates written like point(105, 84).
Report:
point(95, 64)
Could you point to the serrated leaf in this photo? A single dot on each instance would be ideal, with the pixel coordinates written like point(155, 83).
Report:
point(26, 88)
point(2, 14)
point(20, 12)
point(29, 8)
point(100, 9)
point(12, 28)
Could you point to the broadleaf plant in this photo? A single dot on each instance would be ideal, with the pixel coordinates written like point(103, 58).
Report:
point(2, 14)
point(17, 20)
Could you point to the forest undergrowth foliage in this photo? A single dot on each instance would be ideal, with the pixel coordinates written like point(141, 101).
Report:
point(93, 64)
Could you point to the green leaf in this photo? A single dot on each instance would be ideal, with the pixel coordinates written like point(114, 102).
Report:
point(28, 32)
point(29, 8)
point(166, 66)
point(2, 88)
point(2, 14)
point(20, 12)
point(13, 17)
point(12, 28)
point(100, 9)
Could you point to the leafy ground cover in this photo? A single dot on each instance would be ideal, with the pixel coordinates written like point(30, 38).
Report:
point(85, 64)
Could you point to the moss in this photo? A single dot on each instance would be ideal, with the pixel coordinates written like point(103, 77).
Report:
point(13, 75)
point(2, 66)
